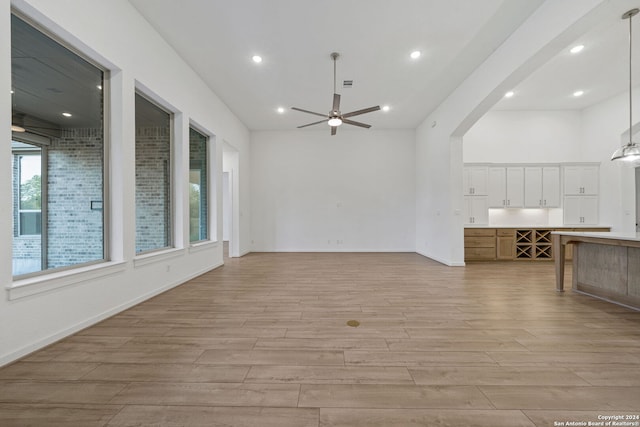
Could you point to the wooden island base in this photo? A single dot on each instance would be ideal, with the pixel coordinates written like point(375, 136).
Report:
point(605, 265)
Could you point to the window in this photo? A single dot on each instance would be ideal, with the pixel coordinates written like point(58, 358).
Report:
point(58, 154)
point(198, 188)
point(30, 194)
point(153, 177)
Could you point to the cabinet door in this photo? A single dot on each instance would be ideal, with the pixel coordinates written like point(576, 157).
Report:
point(533, 187)
point(581, 180)
point(475, 180)
point(580, 210)
point(506, 247)
point(497, 187)
point(476, 210)
point(573, 180)
point(590, 180)
point(571, 210)
point(589, 209)
point(515, 187)
point(551, 187)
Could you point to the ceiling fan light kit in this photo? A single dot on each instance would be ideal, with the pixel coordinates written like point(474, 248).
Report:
point(335, 118)
point(630, 151)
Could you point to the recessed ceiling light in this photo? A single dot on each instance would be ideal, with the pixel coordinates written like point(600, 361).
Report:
point(576, 48)
point(280, 110)
point(385, 108)
point(578, 93)
point(99, 87)
point(415, 54)
point(509, 94)
point(67, 114)
point(257, 59)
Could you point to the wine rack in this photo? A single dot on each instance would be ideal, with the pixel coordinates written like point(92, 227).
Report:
point(533, 244)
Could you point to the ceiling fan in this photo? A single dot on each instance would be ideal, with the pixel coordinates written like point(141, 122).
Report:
point(335, 118)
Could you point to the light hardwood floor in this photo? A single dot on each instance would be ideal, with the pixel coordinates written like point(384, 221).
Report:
point(263, 341)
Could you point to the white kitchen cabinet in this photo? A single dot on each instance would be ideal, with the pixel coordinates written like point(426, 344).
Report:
point(542, 187)
point(515, 187)
point(475, 180)
point(506, 187)
point(476, 210)
point(581, 180)
point(497, 187)
point(580, 210)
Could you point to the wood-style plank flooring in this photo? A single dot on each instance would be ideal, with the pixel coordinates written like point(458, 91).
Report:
point(264, 341)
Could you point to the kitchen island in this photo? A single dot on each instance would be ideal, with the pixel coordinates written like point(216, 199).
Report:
point(605, 265)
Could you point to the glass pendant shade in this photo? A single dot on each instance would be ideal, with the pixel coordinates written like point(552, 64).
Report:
point(627, 153)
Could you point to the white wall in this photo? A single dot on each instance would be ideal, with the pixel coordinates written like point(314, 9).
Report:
point(38, 311)
point(525, 137)
point(602, 133)
point(350, 192)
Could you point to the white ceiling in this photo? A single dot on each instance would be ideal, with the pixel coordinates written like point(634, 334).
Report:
point(374, 38)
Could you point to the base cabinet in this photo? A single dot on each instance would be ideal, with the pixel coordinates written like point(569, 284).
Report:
point(479, 244)
point(514, 244)
point(505, 244)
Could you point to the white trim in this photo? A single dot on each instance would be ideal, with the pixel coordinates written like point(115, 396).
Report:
point(157, 256)
point(34, 346)
point(48, 282)
point(203, 246)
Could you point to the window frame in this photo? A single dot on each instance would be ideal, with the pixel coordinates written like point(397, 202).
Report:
point(209, 181)
point(171, 232)
point(35, 139)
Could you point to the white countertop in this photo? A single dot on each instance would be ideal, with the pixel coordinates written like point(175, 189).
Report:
point(539, 227)
point(602, 235)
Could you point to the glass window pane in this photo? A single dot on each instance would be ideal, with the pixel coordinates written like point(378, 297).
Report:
point(58, 160)
point(198, 189)
point(153, 176)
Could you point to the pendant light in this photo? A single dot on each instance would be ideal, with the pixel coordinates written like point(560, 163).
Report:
point(630, 151)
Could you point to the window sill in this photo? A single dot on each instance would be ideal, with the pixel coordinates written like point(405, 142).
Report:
point(45, 283)
point(159, 256)
point(202, 246)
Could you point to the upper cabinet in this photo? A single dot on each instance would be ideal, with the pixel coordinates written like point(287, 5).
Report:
point(581, 180)
point(475, 180)
point(506, 187)
point(542, 187)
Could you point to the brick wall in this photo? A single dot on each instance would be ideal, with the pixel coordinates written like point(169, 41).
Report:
point(75, 231)
point(153, 196)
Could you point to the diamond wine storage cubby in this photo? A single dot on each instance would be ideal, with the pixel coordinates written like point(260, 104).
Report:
point(524, 244)
point(543, 244)
point(533, 244)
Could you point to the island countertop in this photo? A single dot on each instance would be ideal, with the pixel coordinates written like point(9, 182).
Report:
point(611, 235)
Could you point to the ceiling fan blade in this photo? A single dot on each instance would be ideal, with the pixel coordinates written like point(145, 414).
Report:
point(307, 111)
point(314, 123)
point(334, 129)
point(363, 111)
point(351, 122)
point(336, 102)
